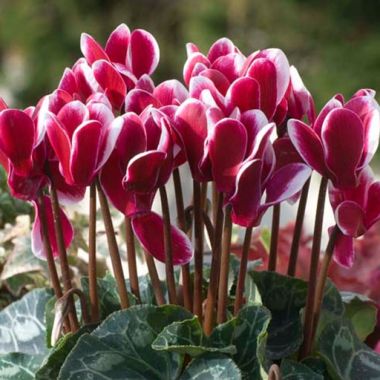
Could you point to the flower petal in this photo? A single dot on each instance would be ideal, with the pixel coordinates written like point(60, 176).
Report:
point(264, 72)
point(342, 137)
point(221, 47)
point(17, 135)
point(220, 81)
point(3, 105)
point(72, 115)
point(307, 144)
point(68, 232)
point(111, 81)
point(191, 126)
point(344, 253)
point(149, 229)
point(349, 217)
point(329, 106)
point(227, 145)
point(246, 199)
point(84, 155)
point(371, 124)
point(143, 53)
point(117, 44)
point(68, 82)
point(170, 92)
point(230, 65)
point(286, 182)
point(137, 100)
point(91, 50)
point(190, 64)
point(143, 171)
point(243, 93)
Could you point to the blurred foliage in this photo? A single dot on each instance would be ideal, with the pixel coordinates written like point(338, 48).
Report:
point(334, 44)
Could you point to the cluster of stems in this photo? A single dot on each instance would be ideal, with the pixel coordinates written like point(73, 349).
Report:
point(210, 306)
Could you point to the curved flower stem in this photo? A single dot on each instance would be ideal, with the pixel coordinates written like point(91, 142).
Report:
point(323, 277)
point(242, 270)
point(169, 270)
point(83, 303)
point(92, 283)
point(298, 229)
point(67, 285)
point(47, 248)
point(181, 222)
point(113, 248)
point(156, 283)
point(131, 255)
point(224, 267)
point(198, 252)
point(209, 228)
point(315, 252)
point(212, 291)
point(272, 263)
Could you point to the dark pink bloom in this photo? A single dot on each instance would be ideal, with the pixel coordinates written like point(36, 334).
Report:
point(342, 140)
point(37, 240)
point(83, 137)
point(356, 211)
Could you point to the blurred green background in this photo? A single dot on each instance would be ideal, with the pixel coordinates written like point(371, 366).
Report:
point(334, 44)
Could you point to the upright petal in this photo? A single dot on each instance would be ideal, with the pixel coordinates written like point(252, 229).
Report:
point(245, 201)
point(191, 126)
point(91, 50)
point(68, 82)
point(329, 106)
point(171, 92)
point(220, 81)
point(264, 72)
point(230, 65)
point(143, 53)
point(72, 115)
point(221, 47)
point(117, 44)
point(137, 100)
point(243, 93)
point(307, 144)
point(83, 159)
point(111, 81)
point(342, 137)
point(190, 64)
point(227, 147)
point(149, 229)
point(371, 123)
point(17, 135)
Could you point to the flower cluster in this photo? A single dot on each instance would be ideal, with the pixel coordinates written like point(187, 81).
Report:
point(246, 123)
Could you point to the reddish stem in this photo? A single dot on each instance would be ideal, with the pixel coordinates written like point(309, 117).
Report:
point(272, 263)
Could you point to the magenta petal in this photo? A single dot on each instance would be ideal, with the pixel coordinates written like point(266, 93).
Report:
point(68, 82)
point(220, 81)
point(143, 171)
point(84, 156)
point(342, 136)
point(60, 142)
point(286, 182)
point(143, 53)
point(149, 229)
point(91, 50)
point(373, 205)
point(227, 144)
point(307, 144)
point(100, 112)
point(190, 64)
point(171, 92)
point(72, 115)
point(221, 47)
point(146, 83)
point(261, 141)
point(344, 253)
point(17, 136)
point(137, 100)
point(84, 76)
point(245, 201)
point(264, 72)
point(329, 106)
point(191, 126)
point(117, 44)
point(243, 93)
point(111, 82)
point(68, 232)
point(349, 218)
point(371, 124)
point(3, 105)
point(229, 65)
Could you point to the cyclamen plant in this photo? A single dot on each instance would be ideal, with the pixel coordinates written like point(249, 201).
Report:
point(246, 127)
